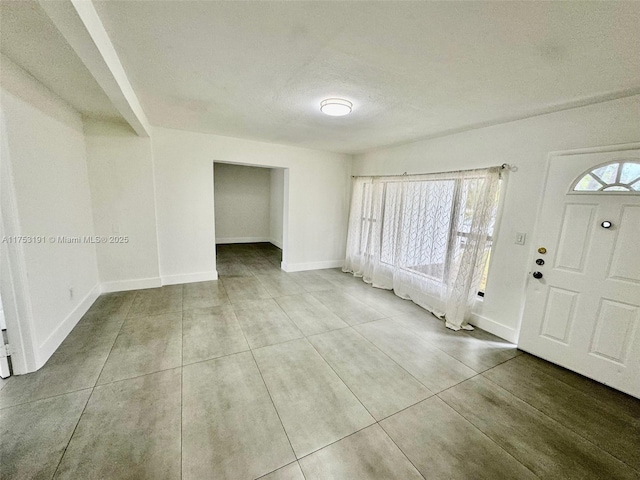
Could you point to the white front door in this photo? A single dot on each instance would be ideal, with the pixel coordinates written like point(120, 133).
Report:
point(584, 312)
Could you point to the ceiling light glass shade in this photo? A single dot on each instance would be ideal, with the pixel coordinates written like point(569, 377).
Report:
point(336, 107)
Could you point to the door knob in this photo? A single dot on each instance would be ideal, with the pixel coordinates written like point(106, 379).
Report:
point(537, 275)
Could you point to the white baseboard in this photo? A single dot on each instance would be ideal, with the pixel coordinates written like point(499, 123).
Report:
point(126, 285)
point(189, 278)
point(220, 241)
point(299, 267)
point(53, 341)
point(277, 243)
point(491, 326)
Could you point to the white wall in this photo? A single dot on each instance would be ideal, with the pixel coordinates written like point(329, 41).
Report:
point(44, 154)
point(316, 200)
point(526, 144)
point(120, 166)
point(242, 197)
point(276, 204)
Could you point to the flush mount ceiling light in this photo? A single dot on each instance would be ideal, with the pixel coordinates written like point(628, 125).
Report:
point(336, 107)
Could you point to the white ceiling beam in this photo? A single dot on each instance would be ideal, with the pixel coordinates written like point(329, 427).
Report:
point(80, 25)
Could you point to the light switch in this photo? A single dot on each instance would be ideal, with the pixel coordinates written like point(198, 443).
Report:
point(521, 237)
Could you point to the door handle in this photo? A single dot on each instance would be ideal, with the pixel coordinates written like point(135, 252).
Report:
point(537, 275)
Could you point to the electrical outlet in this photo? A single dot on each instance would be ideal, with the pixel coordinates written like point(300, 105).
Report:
point(521, 237)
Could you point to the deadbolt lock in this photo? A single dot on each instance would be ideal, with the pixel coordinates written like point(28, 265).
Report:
point(539, 261)
point(542, 250)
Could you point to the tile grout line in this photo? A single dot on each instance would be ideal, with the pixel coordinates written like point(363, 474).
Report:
point(573, 388)
point(395, 413)
point(221, 356)
point(291, 321)
point(586, 392)
point(334, 442)
point(502, 362)
point(485, 435)
point(556, 422)
point(407, 407)
point(124, 319)
point(479, 429)
point(116, 338)
point(400, 449)
point(559, 422)
point(279, 468)
point(390, 358)
point(350, 326)
point(349, 435)
point(368, 306)
point(72, 433)
point(302, 470)
point(267, 389)
point(92, 390)
point(340, 378)
point(45, 398)
point(434, 345)
point(143, 374)
point(278, 413)
point(458, 383)
point(182, 384)
point(138, 376)
point(274, 407)
point(304, 335)
point(376, 422)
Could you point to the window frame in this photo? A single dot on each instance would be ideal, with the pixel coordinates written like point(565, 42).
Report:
point(601, 190)
point(489, 241)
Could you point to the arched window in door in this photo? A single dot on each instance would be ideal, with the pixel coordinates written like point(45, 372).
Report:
point(618, 176)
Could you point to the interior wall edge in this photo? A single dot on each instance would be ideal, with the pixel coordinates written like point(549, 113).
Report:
point(227, 240)
point(55, 339)
point(189, 278)
point(275, 242)
point(300, 267)
point(491, 326)
point(127, 285)
point(46, 150)
point(21, 84)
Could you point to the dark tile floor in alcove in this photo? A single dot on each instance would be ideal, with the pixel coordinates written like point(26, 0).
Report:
point(304, 375)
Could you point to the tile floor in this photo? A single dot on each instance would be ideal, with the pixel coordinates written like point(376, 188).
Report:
point(310, 375)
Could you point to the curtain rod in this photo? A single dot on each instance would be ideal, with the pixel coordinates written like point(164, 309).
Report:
point(504, 166)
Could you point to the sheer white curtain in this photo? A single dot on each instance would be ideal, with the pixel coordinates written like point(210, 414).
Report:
point(427, 237)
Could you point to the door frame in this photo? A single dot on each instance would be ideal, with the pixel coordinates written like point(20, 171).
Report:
point(13, 274)
point(556, 154)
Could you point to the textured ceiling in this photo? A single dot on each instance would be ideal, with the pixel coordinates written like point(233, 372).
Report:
point(413, 70)
point(30, 39)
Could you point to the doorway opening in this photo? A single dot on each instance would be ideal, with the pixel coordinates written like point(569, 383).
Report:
point(249, 209)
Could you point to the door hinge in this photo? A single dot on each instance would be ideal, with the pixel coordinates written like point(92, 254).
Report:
point(6, 350)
